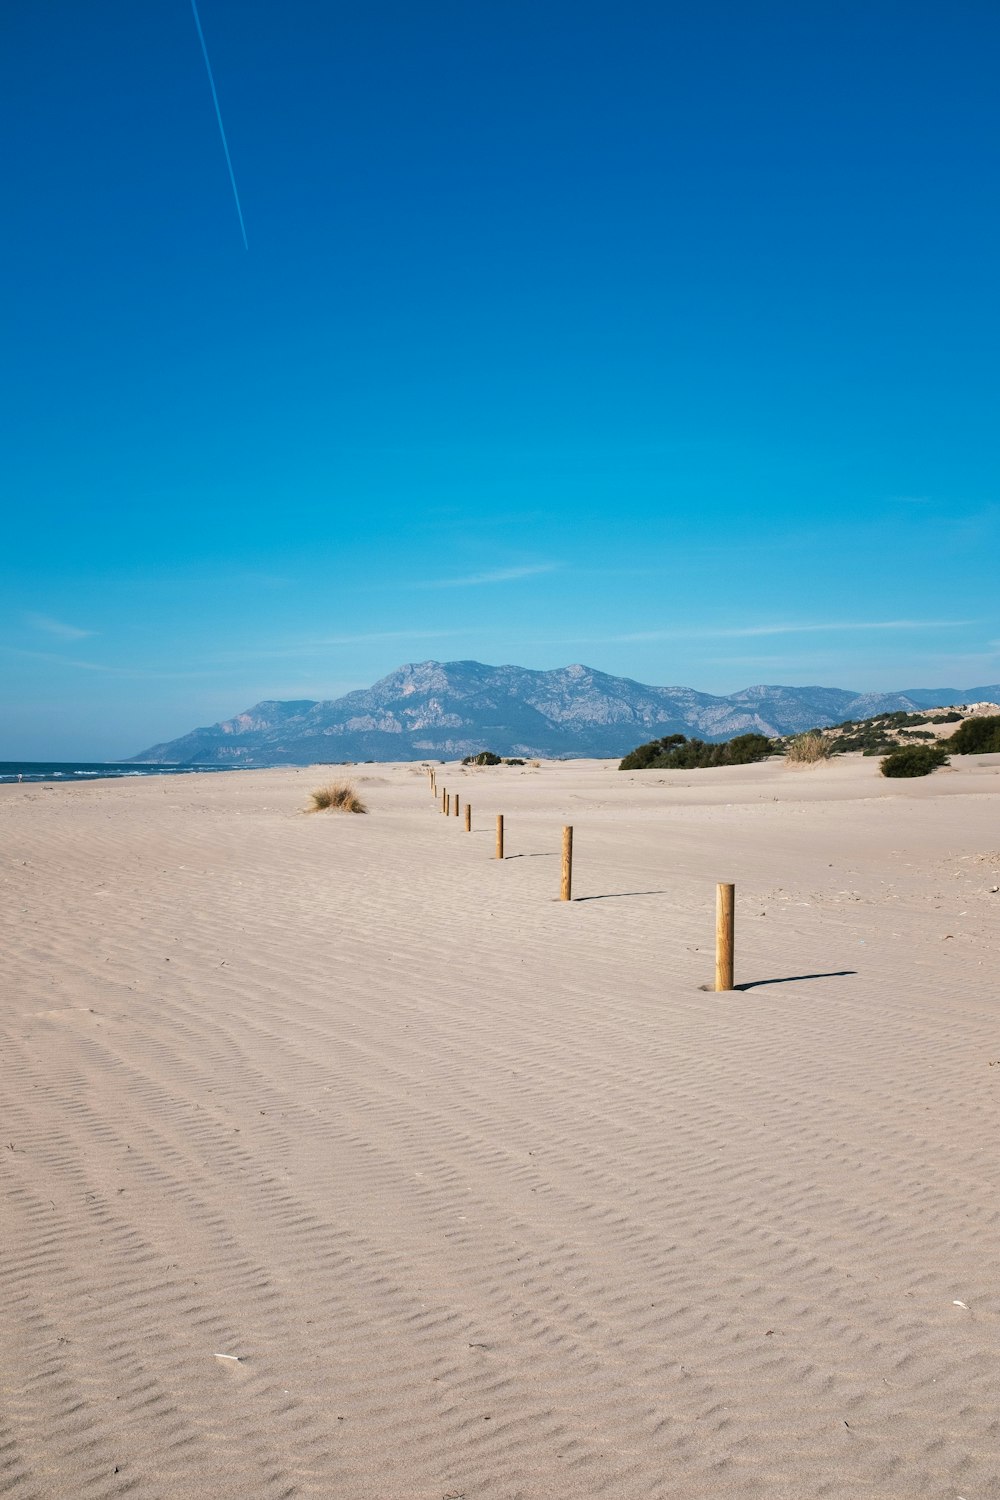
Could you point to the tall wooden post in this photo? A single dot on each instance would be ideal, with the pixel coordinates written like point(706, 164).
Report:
point(468, 817)
point(725, 923)
point(499, 835)
point(566, 886)
point(444, 799)
point(456, 804)
point(447, 804)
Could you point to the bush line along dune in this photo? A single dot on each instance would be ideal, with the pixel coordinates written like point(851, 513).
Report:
point(675, 752)
point(338, 796)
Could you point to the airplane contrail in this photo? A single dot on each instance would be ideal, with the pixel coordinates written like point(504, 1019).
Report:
point(218, 116)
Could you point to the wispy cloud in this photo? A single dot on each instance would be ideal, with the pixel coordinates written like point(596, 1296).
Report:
point(79, 665)
point(829, 626)
point(57, 627)
point(293, 649)
point(381, 635)
point(496, 575)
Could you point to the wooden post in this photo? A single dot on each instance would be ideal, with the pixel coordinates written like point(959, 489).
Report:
point(456, 804)
point(444, 799)
point(499, 835)
point(447, 804)
point(468, 817)
point(725, 922)
point(566, 887)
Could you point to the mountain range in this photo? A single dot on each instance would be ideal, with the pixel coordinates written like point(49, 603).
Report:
point(445, 710)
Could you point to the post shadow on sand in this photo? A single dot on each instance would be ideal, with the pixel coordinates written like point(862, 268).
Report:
point(619, 896)
point(753, 984)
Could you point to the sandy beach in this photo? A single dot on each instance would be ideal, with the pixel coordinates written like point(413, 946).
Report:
point(341, 1159)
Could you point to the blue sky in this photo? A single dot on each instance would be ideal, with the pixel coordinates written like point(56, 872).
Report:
point(660, 337)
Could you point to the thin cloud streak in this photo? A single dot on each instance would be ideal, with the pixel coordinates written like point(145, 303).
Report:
point(79, 665)
point(300, 648)
point(57, 627)
point(742, 631)
point(497, 575)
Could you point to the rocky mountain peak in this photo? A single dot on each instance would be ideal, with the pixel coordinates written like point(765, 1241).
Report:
point(443, 710)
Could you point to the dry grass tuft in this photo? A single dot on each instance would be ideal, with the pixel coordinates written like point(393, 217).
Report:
point(807, 749)
point(339, 796)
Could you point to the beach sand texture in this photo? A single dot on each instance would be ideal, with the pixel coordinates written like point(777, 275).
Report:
point(478, 1193)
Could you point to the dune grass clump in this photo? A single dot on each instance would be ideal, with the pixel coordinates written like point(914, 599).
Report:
point(807, 749)
point(338, 796)
point(915, 760)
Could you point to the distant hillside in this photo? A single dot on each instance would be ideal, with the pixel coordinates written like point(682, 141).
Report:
point(443, 710)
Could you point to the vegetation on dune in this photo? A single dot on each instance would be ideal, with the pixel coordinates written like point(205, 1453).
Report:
point(915, 760)
point(675, 752)
point(338, 796)
point(875, 736)
point(888, 735)
point(807, 749)
point(487, 758)
point(977, 737)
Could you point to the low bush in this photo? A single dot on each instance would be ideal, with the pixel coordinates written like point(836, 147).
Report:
point(651, 754)
point(915, 760)
point(484, 758)
point(675, 752)
point(339, 796)
point(807, 749)
point(977, 737)
point(745, 749)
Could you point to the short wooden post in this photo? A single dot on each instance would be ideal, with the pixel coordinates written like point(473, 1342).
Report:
point(447, 804)
point(444, 799)
point(456, 804)
point(566, 887)
point(499, 835)
point(725, 922)
point(468, 817)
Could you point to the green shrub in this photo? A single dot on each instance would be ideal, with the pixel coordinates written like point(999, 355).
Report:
point(484, 758)
point(873, 741)
point(675, 752)
point(915, 760)
point(977, 737)
point(651, 754)
point(746, 749)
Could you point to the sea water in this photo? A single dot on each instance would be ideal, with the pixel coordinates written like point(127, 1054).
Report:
point(71, 770)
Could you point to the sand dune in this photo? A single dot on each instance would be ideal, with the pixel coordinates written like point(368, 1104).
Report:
point(342, 1160)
